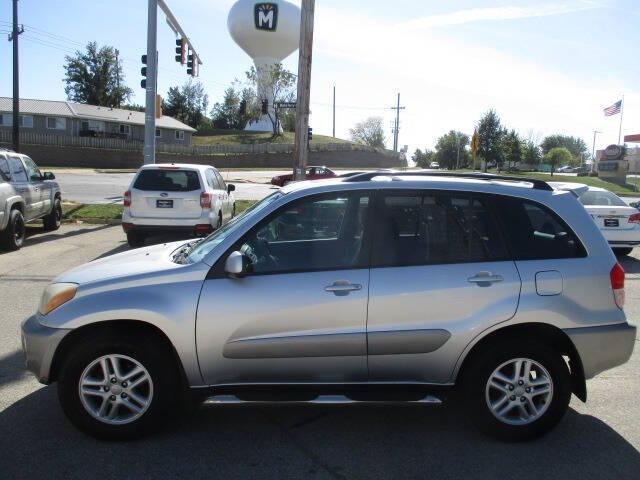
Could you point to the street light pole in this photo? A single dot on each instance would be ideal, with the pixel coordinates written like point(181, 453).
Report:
point(152, 84)
point(458, 154)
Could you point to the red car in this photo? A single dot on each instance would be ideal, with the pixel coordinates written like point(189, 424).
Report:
point(313, 173)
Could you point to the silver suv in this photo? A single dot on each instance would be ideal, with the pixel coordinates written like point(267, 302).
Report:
point(26, 194)
point(380, 286)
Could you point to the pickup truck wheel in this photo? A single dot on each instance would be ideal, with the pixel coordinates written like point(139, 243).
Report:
point(135, 239)
point(117, 389)
point(13, 236)
point(52, 221)
point(518, 392)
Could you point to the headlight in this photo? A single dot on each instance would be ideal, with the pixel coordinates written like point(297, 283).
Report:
point(56, 294)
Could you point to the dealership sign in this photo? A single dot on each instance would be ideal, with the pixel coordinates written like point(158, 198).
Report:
point(613, 152)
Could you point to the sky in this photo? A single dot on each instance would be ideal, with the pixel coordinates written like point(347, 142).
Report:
point(546, 66)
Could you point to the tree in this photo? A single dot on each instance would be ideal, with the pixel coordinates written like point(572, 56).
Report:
point(512, 149)
point(95, 77)
point(557, 156)
point(490, 132)
point(369, 132)
point(188, 103)
point(275, 84)
point(133, 107)
point(531, 154)
point(451, 151)
point(424, 159)
point(576, 146)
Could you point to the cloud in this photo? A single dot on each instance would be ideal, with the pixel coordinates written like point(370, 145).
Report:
point(497, 14)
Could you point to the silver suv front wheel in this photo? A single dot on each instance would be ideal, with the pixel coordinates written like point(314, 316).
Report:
point(115, 386)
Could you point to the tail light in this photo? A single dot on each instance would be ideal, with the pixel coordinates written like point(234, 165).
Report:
point(617, 284)
point(635, 218)
point(205, 200)
point(200, 229)
point(127, 198)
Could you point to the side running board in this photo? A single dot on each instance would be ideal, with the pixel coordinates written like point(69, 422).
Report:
point(319, 400)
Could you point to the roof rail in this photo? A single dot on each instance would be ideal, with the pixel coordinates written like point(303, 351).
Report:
point(537, 184)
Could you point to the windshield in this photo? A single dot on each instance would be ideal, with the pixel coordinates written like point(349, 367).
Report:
point(203, 249)
point(598, 198)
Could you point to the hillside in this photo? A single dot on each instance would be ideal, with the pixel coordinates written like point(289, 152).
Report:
point(234, 137)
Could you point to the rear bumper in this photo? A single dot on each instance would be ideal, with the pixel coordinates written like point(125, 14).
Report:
point(622, 238)
point(39, 343)
point(604, 347)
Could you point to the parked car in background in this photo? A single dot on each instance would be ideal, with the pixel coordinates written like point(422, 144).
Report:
point(565, 169)
point(618, 222)
point(26, 194)
point(312, 173)
point(434, 165)
point(163, 198)
point(415, 287)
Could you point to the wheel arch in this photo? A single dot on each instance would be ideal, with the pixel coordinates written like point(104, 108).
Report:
point(113, 328)
point(543, 332)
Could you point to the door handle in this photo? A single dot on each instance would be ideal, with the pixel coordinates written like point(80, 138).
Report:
point(484, 279)
point(342, 287)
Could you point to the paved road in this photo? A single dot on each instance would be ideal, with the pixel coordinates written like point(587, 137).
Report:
point(599, 440)
point(89, 187)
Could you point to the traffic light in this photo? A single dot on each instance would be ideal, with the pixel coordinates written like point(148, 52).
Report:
point(243, 108)
point(191, 65)
point(143, 72)
point(310, 134)
point(181, 50)
point(265, 107)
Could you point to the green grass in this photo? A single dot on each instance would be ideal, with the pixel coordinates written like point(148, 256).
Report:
point(234, 137)
point(75, 211)
point(91, 212)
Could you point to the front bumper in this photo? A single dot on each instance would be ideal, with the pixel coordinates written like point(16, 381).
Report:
point(39, 343)
point(604, 347)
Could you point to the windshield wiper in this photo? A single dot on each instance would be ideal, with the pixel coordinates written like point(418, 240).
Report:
point(185, 251)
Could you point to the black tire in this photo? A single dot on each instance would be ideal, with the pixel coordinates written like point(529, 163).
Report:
point(219, 221)
point(135, 239)
point(151, 354)
point(233, 212)
point(53, 220)
point(12, 238)
point(477, 375)
point(622, 251)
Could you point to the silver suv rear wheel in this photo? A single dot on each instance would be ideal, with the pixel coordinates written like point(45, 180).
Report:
point(519, 391)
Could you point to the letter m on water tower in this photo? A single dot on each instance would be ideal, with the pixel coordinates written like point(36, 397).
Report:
point(266, 16)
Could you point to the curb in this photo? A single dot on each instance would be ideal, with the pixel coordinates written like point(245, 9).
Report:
point(91, 221)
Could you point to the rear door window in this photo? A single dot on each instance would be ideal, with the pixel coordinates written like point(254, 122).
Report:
point(17, 170)
point(168, 181)
point(223, 186)
point(427, 228)
point(5, 173)
point(534, 232)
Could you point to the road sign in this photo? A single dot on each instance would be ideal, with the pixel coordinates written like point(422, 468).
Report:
point(289, 105)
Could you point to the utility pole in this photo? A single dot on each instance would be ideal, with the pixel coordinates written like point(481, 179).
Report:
point(301, 151)
point(458, 154)
point(396, 130)
point(16, 78)
point(152, 72)
point(593, 152)
point(118, 75)
point(334, 111)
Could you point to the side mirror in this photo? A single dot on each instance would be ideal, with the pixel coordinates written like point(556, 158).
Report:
point(36, 178)
point(48, 176)
point(237, 265)
point(231, 188)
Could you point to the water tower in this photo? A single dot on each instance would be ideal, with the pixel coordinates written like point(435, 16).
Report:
point(268, 32)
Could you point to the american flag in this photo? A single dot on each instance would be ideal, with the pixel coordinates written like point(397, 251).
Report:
point(613, 109)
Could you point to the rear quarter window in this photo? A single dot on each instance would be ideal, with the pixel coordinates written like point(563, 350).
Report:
point(168, 181)
point(534, 232)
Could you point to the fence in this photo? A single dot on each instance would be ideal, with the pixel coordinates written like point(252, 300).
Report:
point(30, 138)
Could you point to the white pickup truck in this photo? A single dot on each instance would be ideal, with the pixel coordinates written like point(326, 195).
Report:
point(26, 194)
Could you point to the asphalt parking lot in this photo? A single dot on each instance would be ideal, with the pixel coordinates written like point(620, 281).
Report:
point(598, 440)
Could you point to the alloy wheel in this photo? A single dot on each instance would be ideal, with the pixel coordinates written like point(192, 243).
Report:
point(519, 391)
point(115, 389)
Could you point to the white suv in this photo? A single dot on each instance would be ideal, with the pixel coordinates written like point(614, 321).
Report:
point(192, 199)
